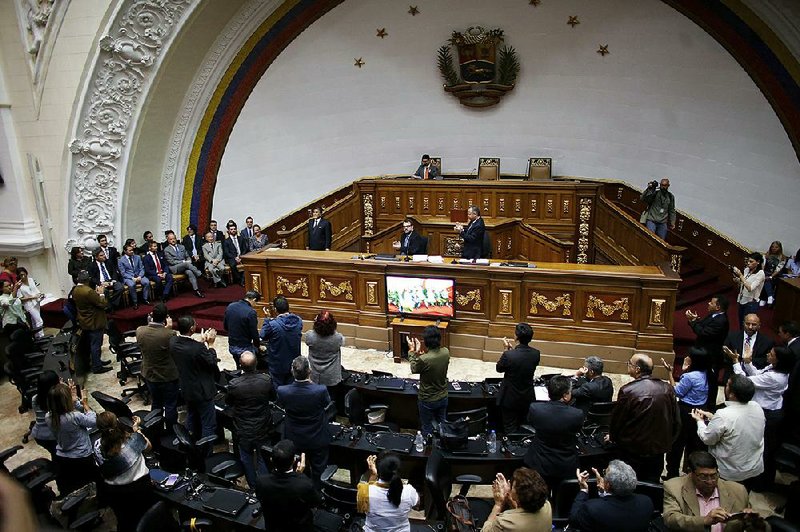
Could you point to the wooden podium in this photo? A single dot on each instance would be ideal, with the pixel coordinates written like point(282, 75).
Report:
point(401, 328)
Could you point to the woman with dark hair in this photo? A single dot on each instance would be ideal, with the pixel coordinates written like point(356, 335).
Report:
point(385, 498)
point(71, 420)
point(78, 262)
point(770, 384)
point(41, 432)
point(520, 505)
point(127, 479)
point(325, 351)
point(30, 296)
point(692, 392)
point(774, 263)
point(259, 240)
point(750, 282)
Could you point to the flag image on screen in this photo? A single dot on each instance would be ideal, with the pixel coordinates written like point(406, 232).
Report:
point(420, 296)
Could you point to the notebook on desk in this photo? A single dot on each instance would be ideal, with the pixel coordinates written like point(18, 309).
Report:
point(390, 384)
point(226, 501)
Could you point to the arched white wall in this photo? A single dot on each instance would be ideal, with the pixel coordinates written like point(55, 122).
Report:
point(667, 101)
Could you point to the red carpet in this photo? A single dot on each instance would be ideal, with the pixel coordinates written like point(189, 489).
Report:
point(208, 311)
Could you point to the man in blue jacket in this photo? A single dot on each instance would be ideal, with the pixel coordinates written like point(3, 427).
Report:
point(283, 333)
point(241, 323)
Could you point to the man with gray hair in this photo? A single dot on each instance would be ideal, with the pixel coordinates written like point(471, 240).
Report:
point(618, 508)
point(306, 422)
point(241, 322)
point(590, 385)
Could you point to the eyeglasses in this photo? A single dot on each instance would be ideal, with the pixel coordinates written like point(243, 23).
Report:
point(704, 477)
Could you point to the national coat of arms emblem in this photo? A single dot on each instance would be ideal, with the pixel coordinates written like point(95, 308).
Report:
point(485, 73)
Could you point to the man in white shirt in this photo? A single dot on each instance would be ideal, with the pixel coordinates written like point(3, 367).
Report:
point(735, 434)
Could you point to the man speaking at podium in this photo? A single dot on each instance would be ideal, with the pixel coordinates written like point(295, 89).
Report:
point(472, 234)
point(411, 242)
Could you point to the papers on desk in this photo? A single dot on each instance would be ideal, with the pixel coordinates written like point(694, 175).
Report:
point(435, 259)
point(419, 258)
point(541, 393)
point(483, 262)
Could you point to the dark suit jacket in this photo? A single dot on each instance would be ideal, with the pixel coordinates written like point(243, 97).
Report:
point(150, 269)
point(417, 244)
point(433, 171)
point(94, 271)
point(319, 239)
point(287, 500)
point(473, 239)
point(112, 255)
point(762, 346)
point(197, 368)
point(241, 323)
point(791, 397)
point(198, 243)
point(631, 513)
point(219, 236)
point(305, 423)
point(519, 365)
point(553, 450)
point(229, 249)
point(711, 332)
point(598, 390)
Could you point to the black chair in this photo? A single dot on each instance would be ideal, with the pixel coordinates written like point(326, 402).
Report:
point(340, 498)
point(152, 420)
point(598, 416)
point(781, 524)
point(129, 355)
point(477, 419)
point(439, 481)
point(223, 465)
point(163, 518)
point(564, 496)
point(486, 246)
point(655, 492)
point(358, 414)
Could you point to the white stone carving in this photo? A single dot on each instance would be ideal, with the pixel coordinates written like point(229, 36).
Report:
point(123, 69)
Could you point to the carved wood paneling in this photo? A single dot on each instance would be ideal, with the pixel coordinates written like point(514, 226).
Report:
point(607, 311)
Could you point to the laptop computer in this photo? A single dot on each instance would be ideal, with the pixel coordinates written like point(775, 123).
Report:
point(226, 501)
point(390, 384)
point(474, 448)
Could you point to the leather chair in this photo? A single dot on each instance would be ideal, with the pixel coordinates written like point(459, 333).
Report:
point(358, 414)
point(598, 417)
point(129, 355)
point(224, 465)
point(439, 481)
point(340, 498)
point(539, 168)
point(163, 518)
point(489, 168)
point(152, 420)
point(563, 497)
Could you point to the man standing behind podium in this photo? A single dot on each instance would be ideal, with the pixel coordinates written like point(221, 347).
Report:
point(427, 170)
point(472, 234)
point(411, 242)
point(319, 232)
point(430, 360)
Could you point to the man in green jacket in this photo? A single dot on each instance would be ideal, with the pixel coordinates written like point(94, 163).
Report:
point(430, 361)
point(660, 208)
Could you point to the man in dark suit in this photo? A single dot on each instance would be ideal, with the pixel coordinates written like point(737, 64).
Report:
point(194, 246)
point(711, 333)
point(105, 274)
point(306, 422)
point(590, 385)
point(112, 255)
point(621, 510)
point(472, 234)
point(91, 307)
point(319, 232)
point(233, 248)
point(157, 270)
point(518, 365)
point(749, 339)
point(287, 496)
point(147, 237)
point(411, 242)
point(219, 236)
point(197, 373)
point(241, 323)
point(247, 230)
point(131, 270)
point(553, 451)
point(789, 334)
point(427, 170)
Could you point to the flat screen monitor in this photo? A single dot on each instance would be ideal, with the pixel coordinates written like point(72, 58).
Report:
point(420, 296)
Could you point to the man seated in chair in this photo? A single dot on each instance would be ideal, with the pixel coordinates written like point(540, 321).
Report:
point(411, 242)
point(701, 500)
point(132, 271)
point(590, 385)
point(157, 270)
point(620, 509)
point(105, 274)
point(427, 170)
point(287, 496)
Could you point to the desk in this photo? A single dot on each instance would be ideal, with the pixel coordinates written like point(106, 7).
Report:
point(787, 301)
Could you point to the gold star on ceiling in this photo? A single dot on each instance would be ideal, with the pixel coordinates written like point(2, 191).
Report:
point(573, 21)
point(603, 50)
point(359, 62)
point(381, 33)
point(413, 11)
point(535, 3)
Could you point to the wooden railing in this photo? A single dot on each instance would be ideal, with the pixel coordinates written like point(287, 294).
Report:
point(340, 207)
point(621, 239)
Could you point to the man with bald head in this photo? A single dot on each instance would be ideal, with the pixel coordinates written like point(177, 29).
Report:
point(248, 398)
point(645, 420)
point(750, 340)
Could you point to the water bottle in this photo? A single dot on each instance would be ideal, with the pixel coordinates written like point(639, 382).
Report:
point(419, 442)
point(492, 442)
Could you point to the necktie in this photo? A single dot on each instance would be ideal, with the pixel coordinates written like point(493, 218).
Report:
point(104, 273)
point(176, 252)
point(236, 244)
point(316, 223)
point(158, 262)
point(748, 348)
point(408, 237)
point(426, 173)
point(130, 259)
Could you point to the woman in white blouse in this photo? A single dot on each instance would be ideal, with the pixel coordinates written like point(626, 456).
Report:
point(750, 282)
point(31, 298)
point(770, 384)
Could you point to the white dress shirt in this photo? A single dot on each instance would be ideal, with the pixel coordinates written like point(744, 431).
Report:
point(756, 282)
point(769, 384)
point(735, 437)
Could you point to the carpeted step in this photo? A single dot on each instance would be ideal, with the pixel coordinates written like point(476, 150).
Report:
point(689, 270)
point(702, 279)
point(688, 298)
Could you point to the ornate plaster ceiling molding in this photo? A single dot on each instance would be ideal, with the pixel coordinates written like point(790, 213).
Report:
point(129, 54)
point(209, 76)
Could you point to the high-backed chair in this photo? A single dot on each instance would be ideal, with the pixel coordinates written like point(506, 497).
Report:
point(477, 419)
point(563, 497)
point(358, 413)
point(223, 465)
point(599, 415)
point(489, 168)
point(439, 481)
point(539, 168)
point(437, 162)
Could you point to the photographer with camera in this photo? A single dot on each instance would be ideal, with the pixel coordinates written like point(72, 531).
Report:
point(660, 208)
point(750, 282)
